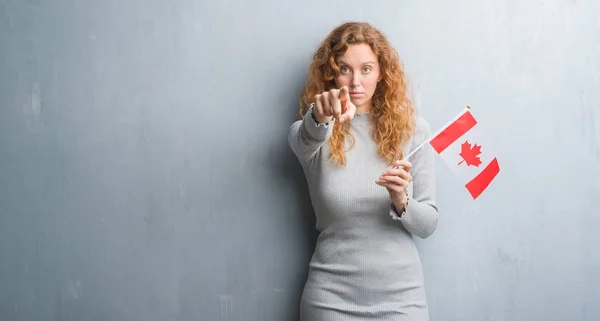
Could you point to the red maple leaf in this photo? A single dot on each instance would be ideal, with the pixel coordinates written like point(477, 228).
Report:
point(470, 154)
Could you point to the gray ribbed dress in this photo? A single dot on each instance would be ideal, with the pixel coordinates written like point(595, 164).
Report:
point(365, 265)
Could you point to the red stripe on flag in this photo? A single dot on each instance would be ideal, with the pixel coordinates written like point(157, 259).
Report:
point(478, 184)
point(451, 133)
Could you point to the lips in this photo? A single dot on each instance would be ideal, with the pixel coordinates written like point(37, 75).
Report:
point(356, 94)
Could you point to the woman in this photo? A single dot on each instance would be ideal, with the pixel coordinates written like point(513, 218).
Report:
point(356, 124)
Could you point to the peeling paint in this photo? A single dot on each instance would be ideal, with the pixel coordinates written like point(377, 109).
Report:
point(226, 307)
point(33, 108)
point(8, 14)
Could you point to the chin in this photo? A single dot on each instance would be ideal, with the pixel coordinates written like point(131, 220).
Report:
point(359, 101)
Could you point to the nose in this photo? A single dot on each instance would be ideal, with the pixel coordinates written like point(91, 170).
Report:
point(355, 80)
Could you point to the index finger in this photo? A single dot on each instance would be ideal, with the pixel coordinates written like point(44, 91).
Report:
point(344, 93)
point(349, 112)
point(406, 165)
point(335, 103)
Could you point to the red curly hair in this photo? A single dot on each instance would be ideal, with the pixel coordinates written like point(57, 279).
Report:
point(392, 111)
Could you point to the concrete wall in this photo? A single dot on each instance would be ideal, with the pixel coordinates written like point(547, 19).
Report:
point(145, 172)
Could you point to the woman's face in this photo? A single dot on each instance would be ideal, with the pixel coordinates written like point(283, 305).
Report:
point(359, 71)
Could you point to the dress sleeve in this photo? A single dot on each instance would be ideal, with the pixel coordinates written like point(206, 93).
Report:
point(421, 215)
point(306, 136)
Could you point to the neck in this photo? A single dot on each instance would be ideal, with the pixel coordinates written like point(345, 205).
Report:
point(364, 108)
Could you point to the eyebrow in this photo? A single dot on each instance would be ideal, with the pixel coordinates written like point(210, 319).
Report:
point(341, 61)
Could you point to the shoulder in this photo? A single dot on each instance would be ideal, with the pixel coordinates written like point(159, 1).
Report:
point(422, 130)
point(423, 158)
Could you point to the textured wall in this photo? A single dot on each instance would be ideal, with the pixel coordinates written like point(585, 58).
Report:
point(145, 172)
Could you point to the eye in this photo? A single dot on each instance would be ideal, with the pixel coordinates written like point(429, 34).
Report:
point(366, 69)
point(344, 69)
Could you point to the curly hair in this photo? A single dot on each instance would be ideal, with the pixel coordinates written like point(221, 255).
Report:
point(392, 111)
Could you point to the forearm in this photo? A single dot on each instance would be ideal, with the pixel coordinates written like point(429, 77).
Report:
point(306, 136)
point(419, 218)
point(420, 215)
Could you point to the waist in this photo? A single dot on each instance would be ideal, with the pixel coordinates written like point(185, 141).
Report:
point(356, 250)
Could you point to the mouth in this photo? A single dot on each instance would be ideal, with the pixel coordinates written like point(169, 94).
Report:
point(356, 94)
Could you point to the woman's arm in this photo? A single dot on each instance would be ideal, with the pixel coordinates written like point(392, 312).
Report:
point(306, 136)
point(421, 214)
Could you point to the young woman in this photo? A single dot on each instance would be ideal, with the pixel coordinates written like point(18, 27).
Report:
point(356, 124)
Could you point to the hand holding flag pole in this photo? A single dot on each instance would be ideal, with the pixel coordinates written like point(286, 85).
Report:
point(475, 166)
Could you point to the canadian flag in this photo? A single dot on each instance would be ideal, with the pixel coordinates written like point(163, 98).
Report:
point(461, 145)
